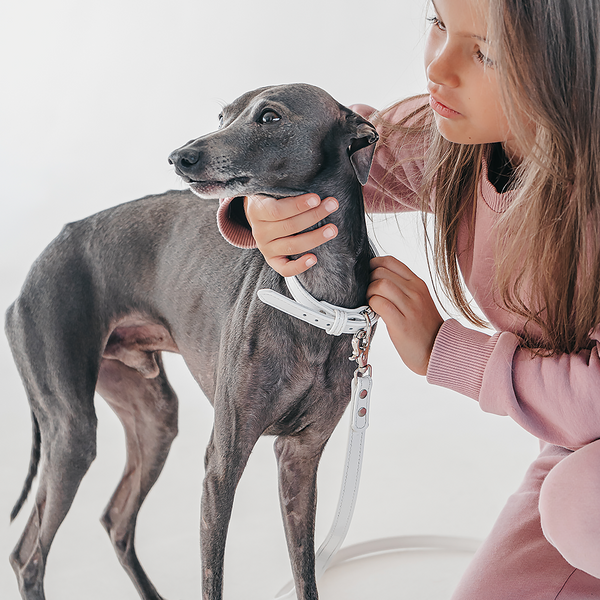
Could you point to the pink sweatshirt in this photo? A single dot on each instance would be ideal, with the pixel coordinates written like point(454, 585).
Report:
point(555, 398)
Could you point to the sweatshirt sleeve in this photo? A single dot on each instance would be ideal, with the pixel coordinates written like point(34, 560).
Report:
point(393, 183)
point(556, 398)
point(232, 223)
point(396, 175)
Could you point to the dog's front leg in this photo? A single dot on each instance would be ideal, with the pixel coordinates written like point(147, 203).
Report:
point(298, 459)
point(227, 453)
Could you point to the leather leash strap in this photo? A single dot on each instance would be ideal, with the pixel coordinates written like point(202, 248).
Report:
point(336, 320)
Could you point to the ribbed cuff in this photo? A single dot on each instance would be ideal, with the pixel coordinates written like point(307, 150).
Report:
point(233, 231)
point(459, 358)
point(498, 381)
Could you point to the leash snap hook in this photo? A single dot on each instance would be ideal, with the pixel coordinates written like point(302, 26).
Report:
point(361, 341)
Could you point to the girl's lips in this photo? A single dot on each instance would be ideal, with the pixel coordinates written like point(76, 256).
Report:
point(442, 109)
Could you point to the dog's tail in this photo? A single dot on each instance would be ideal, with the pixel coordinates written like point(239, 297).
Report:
point(34, 461)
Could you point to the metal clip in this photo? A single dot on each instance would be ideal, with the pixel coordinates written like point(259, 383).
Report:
point(361, 341)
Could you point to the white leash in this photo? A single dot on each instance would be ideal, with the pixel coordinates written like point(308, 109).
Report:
point(336, 320)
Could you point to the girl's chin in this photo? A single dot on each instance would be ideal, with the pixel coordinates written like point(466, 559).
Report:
point(457, 134)
point(460, 133)
point(453, 137)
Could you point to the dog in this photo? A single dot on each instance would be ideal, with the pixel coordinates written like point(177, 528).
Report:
point(116, 289)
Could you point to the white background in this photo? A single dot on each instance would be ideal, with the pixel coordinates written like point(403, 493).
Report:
point(94, 97)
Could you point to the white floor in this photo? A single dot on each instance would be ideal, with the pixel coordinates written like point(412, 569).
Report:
point(95, 97)
point(418, 575)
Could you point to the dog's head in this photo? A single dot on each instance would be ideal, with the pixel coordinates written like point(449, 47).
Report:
point(277, 141)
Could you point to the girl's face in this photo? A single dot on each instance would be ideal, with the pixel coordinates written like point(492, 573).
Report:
point(461, 79)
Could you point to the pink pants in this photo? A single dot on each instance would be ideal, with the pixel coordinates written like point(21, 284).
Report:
point(545, 544)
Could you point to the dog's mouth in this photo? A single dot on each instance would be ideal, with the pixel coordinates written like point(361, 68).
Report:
point(217, 188)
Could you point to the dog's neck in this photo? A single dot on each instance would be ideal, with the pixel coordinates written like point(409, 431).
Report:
point(341, 274)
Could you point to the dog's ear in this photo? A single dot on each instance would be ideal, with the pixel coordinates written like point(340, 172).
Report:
point(362, 147)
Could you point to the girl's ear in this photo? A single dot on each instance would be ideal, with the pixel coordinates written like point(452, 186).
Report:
point(362, 148)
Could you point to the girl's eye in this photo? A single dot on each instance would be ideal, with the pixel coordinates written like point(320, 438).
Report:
point(436, 23)
point(269, 116)
point(483, 59)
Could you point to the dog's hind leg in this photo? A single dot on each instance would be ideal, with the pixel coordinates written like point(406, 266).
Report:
point(59, 378)
point(67, 452)
point(298, 458)
point(147, 408)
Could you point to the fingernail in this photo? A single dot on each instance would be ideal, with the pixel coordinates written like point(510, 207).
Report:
point(329, 232)
point(330, 205)
point(313, 201)
point(311, 261)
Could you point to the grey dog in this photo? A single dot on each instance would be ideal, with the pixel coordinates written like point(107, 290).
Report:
point(114, 290)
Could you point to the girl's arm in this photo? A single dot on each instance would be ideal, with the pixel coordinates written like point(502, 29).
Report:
point(556, 398)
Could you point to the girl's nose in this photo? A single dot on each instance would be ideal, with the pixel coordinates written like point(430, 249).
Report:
point(442, 67)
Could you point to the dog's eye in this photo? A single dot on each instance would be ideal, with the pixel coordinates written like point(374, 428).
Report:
point(220, 119)
point(269, 116)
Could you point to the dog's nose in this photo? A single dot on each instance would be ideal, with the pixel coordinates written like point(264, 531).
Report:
point(184, 158)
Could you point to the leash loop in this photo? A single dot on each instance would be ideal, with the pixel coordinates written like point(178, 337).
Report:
point(339, 322)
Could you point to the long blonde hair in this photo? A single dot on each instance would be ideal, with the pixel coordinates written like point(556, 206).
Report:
point(547, 55)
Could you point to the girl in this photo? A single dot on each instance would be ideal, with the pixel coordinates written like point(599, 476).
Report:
point(504, 152)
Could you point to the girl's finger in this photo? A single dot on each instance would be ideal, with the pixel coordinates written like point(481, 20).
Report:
point(271, 231)
point(397, 295)
point(288, 268)
point(265, 208)
point(301, 243)
point(391, 264)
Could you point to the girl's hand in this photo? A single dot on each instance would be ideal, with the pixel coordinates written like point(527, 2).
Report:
point(405, 304)
point(276, 223)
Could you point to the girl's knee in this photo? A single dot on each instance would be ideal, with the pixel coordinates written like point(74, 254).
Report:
point(570, 508)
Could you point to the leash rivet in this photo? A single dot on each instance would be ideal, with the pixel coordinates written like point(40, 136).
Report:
point(363, 411)
point(363, 394)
